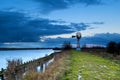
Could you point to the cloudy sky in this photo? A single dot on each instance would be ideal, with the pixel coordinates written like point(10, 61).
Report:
point(36, 20)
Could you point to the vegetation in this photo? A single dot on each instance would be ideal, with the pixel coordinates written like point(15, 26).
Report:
point(55, 70)
point(113, 48)
point(67, 45)
point(91, 67)
point(88, 65)
point(70, 64)
point(10, 71)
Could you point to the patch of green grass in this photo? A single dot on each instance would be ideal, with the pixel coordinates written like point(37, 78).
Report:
point(91, 67)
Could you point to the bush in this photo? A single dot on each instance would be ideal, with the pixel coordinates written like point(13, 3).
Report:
point(67, 45)
point(10, 71)
point(113, 48)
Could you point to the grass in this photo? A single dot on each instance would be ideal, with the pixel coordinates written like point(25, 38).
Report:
point(91, 67)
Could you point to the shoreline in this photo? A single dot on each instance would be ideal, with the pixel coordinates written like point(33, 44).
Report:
point(29, 48)
point(39, 61)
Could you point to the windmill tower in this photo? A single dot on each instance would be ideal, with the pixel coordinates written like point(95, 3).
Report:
point(78, 36)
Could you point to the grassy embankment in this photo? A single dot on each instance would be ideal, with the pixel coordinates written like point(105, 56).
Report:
point(55, 70)
point(91, 67)
point(71, 63)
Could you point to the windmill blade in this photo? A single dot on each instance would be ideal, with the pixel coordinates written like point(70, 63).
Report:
point(73, 36)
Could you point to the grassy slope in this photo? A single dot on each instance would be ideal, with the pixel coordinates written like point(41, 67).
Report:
point(91, 67)
point(55, 70)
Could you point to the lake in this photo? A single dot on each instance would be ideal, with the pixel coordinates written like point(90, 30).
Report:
point(25, 55)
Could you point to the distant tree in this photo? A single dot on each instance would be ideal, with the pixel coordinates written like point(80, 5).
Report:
point(67, 45)
point(111, 47)
point(118, 48)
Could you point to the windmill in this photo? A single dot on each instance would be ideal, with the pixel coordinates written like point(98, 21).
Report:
point(78, 36)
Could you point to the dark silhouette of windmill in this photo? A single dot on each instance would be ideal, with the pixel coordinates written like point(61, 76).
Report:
point(78, 36)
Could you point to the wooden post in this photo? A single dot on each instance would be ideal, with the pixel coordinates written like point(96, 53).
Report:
point(2, 74)
point(2, 77)
point(41, 69)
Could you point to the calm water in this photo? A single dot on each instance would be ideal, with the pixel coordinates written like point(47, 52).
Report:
point(25, 55)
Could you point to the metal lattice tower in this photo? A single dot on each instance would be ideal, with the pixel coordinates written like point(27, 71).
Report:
point(78, 36)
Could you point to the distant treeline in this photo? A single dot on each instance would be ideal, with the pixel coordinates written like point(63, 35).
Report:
point(112, 47)
point(28, 48)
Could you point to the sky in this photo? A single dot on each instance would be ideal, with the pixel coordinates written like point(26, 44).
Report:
point(37, 20)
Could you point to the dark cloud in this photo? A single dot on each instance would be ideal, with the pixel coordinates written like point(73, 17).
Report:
point(109, 36)
point(16, 27)
point(10, 25)
point(51, 5)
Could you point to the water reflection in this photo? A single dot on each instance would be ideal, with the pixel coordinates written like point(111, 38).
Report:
point(42, 67)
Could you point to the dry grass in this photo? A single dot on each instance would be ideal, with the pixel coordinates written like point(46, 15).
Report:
point(55, 70)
